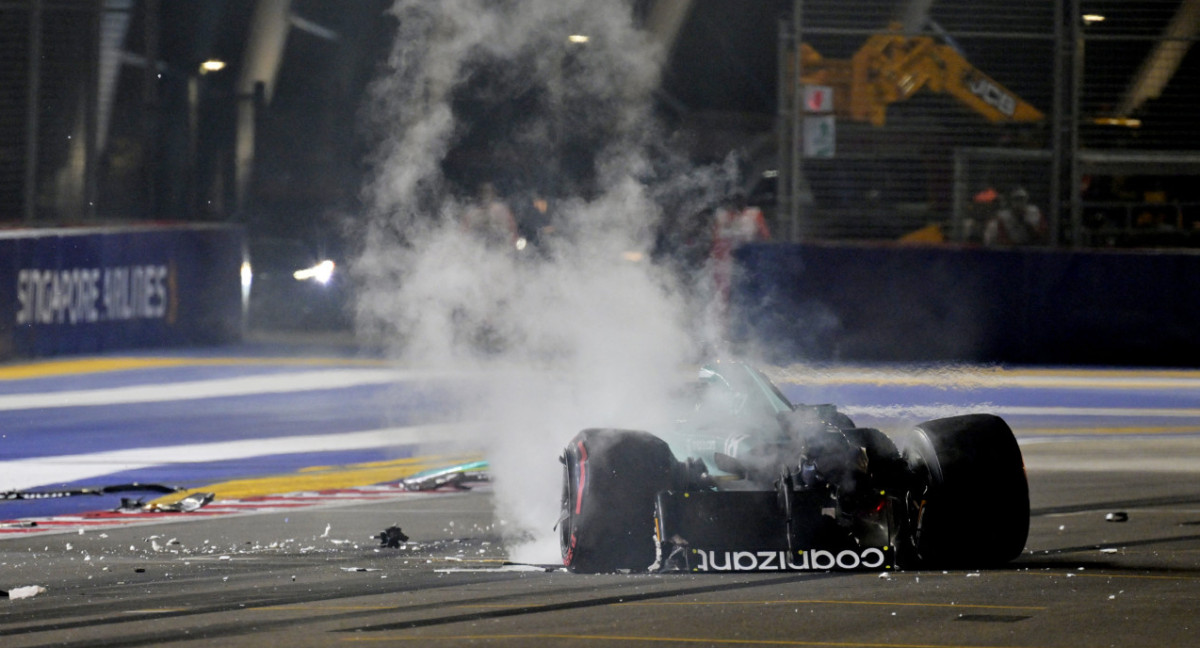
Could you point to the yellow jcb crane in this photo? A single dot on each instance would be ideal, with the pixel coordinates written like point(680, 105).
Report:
point(892, 67)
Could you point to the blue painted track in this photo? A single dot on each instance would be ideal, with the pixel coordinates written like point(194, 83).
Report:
point(1039, 404)
point(65, 430)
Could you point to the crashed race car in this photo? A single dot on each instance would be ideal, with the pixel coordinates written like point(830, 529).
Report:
point(767, 485)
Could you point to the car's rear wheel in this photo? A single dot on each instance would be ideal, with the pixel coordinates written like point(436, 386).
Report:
point(610, 480)
point(969, 500)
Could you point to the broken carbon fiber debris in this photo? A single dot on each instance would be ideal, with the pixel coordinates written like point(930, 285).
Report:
point(459, 477)
point(392, 537)
point(74, 492)
point(192, 502)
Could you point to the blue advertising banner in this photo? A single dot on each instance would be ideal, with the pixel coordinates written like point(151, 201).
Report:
point(87, 290)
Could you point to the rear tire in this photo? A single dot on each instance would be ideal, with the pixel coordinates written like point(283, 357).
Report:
point(969, 503)
point(610, 481)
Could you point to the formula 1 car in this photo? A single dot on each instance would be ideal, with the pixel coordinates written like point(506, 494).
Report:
point(766, 485)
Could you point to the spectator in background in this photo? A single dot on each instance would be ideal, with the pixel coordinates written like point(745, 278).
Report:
point(535, 221)
point(490, 218)
point(979, 213)
point(1017, 223)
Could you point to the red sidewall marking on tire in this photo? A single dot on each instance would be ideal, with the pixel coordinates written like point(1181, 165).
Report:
point(582, 477)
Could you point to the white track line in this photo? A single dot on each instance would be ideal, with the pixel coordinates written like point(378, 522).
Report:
point(176, 391)
point(969, 378)
point(938, 411)
point(23, 474)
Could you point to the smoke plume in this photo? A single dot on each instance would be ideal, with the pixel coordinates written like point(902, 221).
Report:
point(584, 331)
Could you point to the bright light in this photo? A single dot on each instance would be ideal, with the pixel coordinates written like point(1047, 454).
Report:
point(770, 173)
point(521, 243)
point(1127, 122)
point(1089, 19)
point(577, 38)
point(320, 273)
point(247, 279)
point(212, 65)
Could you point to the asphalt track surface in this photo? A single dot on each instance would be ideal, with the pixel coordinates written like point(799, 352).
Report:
point(291, 557)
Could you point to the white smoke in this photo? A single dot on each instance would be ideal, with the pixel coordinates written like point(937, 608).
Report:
point(577, 335)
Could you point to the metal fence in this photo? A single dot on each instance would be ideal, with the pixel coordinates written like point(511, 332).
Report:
point(943, 114)
point(48, 69)
point(940, 110)
point(110, 110)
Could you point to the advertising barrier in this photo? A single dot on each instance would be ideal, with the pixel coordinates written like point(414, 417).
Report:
point(88, 290)
point(888, 302)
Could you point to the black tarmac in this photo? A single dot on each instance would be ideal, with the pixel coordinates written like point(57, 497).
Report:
point(1113, 559)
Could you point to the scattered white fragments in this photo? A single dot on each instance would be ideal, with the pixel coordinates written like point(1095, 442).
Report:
point(513, 567)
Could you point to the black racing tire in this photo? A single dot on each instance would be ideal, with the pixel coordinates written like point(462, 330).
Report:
point(611, 479)
point(969, 500)
point(840, 421)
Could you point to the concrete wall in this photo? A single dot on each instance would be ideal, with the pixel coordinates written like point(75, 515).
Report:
point(860, 302)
